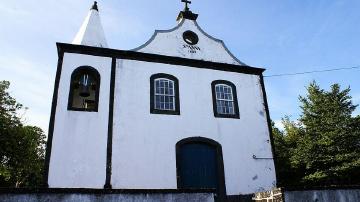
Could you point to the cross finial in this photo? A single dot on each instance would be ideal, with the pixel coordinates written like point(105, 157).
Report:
point(186, 4)
point(186, 13)
point(95, 7)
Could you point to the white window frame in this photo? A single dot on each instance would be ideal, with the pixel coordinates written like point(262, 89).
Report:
point(172, 82)
point(231, 112)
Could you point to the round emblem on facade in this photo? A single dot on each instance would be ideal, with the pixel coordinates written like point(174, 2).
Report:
point(190, 37)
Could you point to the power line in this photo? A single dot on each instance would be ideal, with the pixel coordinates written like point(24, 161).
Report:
point(314, 71)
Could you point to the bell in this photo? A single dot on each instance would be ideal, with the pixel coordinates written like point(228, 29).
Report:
point(84, 86)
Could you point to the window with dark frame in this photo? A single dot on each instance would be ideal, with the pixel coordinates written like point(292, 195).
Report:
point(84, 89)
point(164, 94)
point(224, 99)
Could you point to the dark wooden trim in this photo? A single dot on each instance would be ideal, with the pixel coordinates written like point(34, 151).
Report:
point(220, 162)
point(52, 119)
point(92, 71)
point(100, 191)
point(269, 126)
point(152, 92)
point(236, 106)
point(110, 126)
point(147, 57)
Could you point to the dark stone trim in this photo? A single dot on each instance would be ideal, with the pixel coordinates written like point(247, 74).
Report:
point(52, 119)
point(220, 163)
point(92, 71)
point(147, 57)
point(110, 126)
point(176, 88)
point(236, 106)
point(269, 126)
point(100, 191)
point(239, 198)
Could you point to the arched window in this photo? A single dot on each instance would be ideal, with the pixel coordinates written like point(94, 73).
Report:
point(225, 103)
point(84, 89)
point(199, 165)
point(164, 94)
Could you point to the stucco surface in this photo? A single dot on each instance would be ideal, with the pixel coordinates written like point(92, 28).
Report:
point(91, 32)
point(144, 154)
point(78, 156)
point(171, 43)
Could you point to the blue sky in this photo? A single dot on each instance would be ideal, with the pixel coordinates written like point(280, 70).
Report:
point(282, 36)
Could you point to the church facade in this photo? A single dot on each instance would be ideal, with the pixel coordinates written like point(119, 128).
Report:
point(179, 112)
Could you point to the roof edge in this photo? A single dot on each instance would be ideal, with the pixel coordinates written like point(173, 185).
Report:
point(200, 29)
point(156, 33)
point(150, 57)
point(220, 41)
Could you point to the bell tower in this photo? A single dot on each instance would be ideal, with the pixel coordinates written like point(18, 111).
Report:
point(77, 143)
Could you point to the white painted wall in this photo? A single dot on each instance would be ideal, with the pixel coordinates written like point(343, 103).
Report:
point(143, 154)
point(78, 156)
point(171, 43)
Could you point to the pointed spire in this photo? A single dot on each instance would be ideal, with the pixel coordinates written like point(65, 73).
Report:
point(91, 32)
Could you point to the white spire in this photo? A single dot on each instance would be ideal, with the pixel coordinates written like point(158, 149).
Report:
point(91, 32)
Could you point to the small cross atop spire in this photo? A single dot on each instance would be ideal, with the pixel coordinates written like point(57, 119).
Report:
point(186, 13)
point(186, 4)
point(95, 7)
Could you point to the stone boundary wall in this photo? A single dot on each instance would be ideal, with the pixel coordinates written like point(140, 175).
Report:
point(89, 195)
point(323, 195)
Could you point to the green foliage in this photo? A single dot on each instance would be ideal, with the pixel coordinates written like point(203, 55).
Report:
point(323, 146)
point(21, 147)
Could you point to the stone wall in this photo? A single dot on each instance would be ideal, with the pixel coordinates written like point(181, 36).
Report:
point(323, 195)
point(86, 195)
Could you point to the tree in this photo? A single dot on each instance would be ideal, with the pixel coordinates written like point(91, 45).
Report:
point(286, 142)
point(21, 147)
point(323, 146)
point(330, 149)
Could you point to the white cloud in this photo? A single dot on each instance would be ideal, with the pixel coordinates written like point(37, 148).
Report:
point(278, 124)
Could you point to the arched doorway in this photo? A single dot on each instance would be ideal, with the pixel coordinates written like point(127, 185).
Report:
point(200, 165)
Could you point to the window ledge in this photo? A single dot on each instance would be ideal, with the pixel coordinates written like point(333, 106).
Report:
point(165, 112)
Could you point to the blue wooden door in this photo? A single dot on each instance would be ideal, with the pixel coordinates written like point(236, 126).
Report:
point(198, 166)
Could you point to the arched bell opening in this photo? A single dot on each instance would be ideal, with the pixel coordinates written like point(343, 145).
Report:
point(84, 89)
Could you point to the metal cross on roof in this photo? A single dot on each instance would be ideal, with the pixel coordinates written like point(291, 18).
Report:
point(186, 4)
